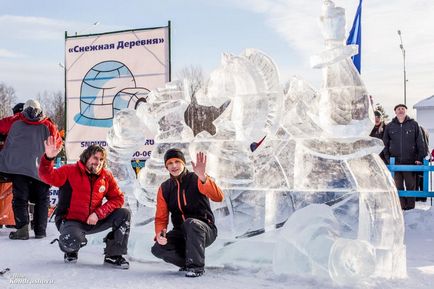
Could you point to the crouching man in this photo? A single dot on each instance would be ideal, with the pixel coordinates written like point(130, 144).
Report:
point(185, 196)
point(80, 210)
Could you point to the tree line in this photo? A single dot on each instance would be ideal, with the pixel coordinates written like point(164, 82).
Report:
point(52, 102)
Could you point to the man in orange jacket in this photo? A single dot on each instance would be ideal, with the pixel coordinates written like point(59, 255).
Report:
point(185, 196)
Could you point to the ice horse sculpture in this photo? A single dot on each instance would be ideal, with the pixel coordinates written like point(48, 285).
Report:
point(315, 193)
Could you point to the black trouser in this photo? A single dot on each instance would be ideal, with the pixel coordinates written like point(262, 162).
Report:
point(409, 178)
point(186, 245)
point(419, 186)
point(27, 189)
point(73, 233)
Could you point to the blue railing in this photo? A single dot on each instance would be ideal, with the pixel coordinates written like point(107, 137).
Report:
point(58, 163)
point(426, 168)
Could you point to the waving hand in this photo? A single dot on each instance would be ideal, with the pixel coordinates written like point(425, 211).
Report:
point(51, 148)
point(200, 166)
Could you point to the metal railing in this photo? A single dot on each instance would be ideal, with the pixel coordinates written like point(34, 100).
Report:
point(427, 167)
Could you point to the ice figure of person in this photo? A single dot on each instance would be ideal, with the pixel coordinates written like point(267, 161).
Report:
point(316, 184)
point(344, 102)
point(360, 233)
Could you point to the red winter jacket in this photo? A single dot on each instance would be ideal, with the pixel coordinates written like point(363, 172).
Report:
point(6, 123)
point(80, 193)
point(24, 144)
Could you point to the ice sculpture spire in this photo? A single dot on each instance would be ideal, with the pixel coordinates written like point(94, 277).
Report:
point(342, 164)
point(344, 106)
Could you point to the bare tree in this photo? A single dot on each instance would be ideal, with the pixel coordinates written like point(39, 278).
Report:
point(194, 74)
point(53, 104)
point(7, 100)
point(380, 108)
point(199, 117)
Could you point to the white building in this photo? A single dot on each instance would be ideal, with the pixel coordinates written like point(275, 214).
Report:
point(425, 117)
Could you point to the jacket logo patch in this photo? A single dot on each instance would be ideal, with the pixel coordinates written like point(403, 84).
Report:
point(102, 189)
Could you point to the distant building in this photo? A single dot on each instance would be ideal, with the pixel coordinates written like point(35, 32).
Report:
point(425, 117)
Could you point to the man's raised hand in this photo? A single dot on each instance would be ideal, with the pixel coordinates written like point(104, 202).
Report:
point(51, 148)
point(200, 166)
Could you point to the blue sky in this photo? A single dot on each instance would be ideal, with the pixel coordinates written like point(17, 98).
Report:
point(32, 38)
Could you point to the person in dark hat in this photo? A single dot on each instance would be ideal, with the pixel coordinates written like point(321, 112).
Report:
point(185, 196)
point(379, 126)
point(18, 108)
point(403, 140)
point(400, 105)
point(20, 159)
point(419, 175)
point(378, 129)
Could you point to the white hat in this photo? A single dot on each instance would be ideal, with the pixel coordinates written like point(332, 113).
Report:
point(33, 103)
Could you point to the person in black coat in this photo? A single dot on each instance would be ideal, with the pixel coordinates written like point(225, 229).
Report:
point(403, 140)
point(419, 175)
point(378, 130)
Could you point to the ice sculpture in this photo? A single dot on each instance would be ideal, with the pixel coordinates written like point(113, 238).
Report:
point(315, 192)
point(165, 107)
point(123, 139)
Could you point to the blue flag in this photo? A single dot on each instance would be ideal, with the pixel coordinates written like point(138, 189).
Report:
point(355, 37)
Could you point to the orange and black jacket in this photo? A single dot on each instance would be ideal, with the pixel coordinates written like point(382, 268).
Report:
point(185, 197)
point(81, 193)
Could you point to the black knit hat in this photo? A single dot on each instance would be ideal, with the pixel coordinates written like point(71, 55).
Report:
point(173, 153)
point(400, 105)
point(377, 113)
point(18, 108)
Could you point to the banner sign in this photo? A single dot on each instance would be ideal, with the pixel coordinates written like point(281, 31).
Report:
point(105, 73)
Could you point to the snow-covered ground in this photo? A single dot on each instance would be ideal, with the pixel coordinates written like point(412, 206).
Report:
point(38, 264)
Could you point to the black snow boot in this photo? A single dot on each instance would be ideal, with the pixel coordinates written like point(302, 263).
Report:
point(70, 258)
point(118, 262)
point(194, 272)
point(20, 234)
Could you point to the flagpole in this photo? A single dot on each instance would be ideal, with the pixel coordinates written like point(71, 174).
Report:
point(405, 72)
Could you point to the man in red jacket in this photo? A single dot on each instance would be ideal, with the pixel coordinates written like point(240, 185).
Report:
point(19, 159)
point(18, 108)
point(80, 210)
point(185, 196)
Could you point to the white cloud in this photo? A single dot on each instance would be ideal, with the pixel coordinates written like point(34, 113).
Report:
point(4, 53)
point(22, 27)
point(31, 49)
point(42, 28)
point(297, 23)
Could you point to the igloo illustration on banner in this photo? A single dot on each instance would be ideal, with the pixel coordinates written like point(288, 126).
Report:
point(315, 194)
point(107, 88)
